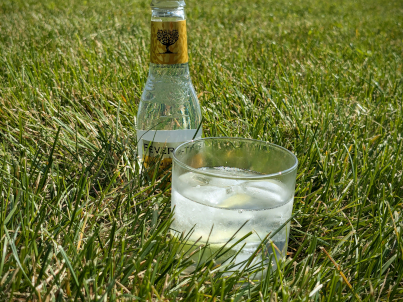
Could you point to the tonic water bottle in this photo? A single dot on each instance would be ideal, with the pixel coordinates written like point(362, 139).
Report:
point(169, 111)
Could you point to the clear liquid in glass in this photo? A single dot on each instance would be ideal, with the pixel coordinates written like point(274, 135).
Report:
point(221, 206)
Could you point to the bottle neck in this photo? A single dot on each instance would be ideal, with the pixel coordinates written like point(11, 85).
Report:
point(168, 14)
point(168, 36)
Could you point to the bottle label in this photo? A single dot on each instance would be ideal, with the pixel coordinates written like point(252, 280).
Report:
point(169, 42)
point(156, 145)
point(154, 152)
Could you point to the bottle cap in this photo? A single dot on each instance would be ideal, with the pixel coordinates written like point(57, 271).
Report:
point(167, 3)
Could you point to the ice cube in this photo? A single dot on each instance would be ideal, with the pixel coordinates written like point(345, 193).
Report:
point(268, 193)
point(224, 182)
point(223, 172)
point(193, 179)
point(268, 185)
point(206, 194)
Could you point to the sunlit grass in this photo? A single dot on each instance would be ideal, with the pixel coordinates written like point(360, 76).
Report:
point(321, 78)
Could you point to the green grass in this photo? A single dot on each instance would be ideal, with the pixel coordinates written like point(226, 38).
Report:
point(322, 78)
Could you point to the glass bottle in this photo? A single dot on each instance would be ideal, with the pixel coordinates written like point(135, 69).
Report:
point(169, 111)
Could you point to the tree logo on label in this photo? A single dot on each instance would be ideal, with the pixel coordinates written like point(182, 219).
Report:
point(167, 38)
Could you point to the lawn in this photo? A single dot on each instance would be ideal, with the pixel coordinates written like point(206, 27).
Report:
point(321, 78)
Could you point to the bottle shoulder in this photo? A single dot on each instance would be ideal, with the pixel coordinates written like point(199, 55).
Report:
point(168, 71)
point(169, 85)
point(168, 110)
point(169, 100)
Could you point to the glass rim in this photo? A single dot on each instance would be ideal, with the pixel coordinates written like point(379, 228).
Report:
point(263, 176)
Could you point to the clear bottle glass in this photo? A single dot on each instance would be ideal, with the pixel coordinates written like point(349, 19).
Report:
point(169, 112)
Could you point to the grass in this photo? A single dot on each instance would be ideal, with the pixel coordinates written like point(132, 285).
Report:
point(322, 78)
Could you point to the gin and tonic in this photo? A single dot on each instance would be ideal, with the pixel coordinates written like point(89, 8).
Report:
point(227, 186)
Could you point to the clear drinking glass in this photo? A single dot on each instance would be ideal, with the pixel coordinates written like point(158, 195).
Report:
point(221, 185)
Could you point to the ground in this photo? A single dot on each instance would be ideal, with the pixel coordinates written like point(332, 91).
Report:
point(321, 78)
